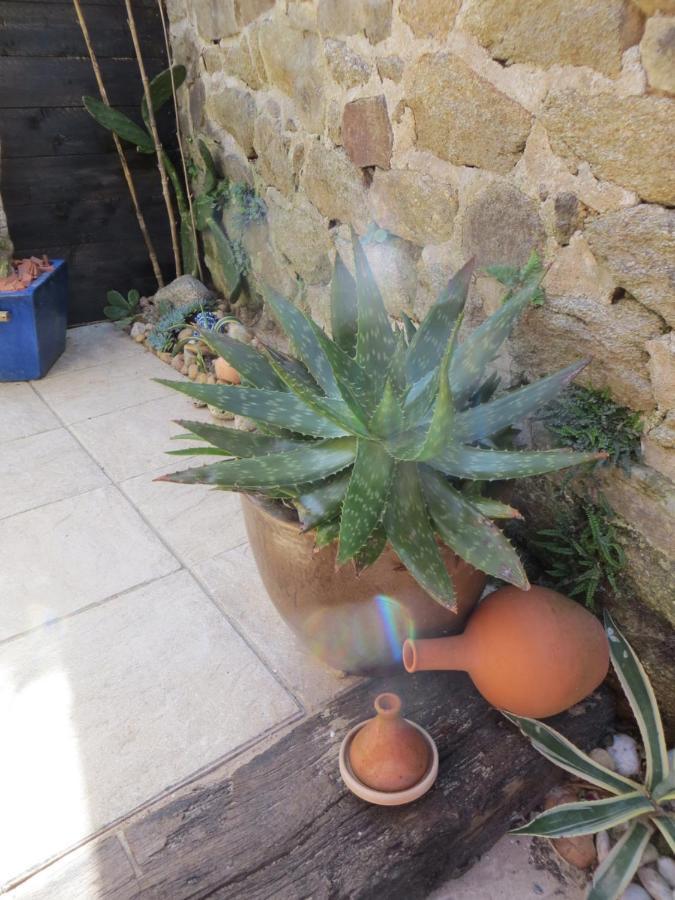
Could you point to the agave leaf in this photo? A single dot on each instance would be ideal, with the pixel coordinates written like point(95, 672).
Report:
point(371, 550)
point(640, 694)
point(290, 467)
point(375, 342)
point(301, 332)
point(475, 538)
point(494, 509)
point(586, 817)
point(429, 343)
point(666, 825)
point(489, 418)
point(161, 89)
point(320, 503)
point(479, 349)
point(343, 307)
point(563, 753)
point(326, 533)
point(489, 465)
point(240, 443)
point(387, 419)
point(366, 498)
point(253, 367)
point(406, 522)
point(271, 407)
point(121, 125)
point(616, 871)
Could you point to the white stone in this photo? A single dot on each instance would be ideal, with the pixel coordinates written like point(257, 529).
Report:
point(23, 412)
point(657, 887)
point(634, 892)
point(666, 868)
point(603, 845)
point(624, 752)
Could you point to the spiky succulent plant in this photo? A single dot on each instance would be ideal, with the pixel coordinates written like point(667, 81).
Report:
point(373, 433)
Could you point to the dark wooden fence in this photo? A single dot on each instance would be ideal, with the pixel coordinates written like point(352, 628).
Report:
point(62, 186)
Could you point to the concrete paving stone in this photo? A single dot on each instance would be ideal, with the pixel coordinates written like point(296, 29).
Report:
point(111, 707)
point(66, 555)
point(23, 412)
point(43, 468)
point(94, 345)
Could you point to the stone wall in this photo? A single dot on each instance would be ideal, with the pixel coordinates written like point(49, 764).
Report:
point(470, 127)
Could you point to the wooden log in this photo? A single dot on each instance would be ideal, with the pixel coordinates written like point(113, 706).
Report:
point(283, 826)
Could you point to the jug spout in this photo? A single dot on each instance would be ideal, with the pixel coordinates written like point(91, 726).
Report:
point(446, 653)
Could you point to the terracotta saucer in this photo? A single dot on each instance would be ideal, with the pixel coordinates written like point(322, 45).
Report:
point(387, 798)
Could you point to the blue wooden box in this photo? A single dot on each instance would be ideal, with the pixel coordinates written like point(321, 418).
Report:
point(33, 325)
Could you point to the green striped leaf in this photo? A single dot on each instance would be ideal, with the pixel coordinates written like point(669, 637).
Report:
point(666, 825)
point(616, 871)
point(563, 753)
point(251, 365)
point(271, 407)
point(121, 125)
point(665, 790)
point(587, 817)
point(366, 497)
point(409, 530)
point(371, 550)
point(429, 342)
point(490, 465)
point(472, 536)
point(240, 443)
point(640, 694)
point(488, 418)
point(320, 503)
point(375, 342)
point(343, 307)
point(291, 467)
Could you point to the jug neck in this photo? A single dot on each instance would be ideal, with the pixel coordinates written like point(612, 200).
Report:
point(452, 654)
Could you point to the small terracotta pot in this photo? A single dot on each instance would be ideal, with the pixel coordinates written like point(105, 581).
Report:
point(225, 372)
point(532, 653)
point(354, 623)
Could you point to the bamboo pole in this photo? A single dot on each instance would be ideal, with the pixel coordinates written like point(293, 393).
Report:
point(155, 137)
point(120, 150)
point(179, 135)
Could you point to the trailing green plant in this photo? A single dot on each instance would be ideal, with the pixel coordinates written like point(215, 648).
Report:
point(588, 419)
point(582, 552)
point(372, 433)
point(161, 91)
point(164, 334)
point(646, 808)
point(120, 309)
point(513, 277)
point(249, 208)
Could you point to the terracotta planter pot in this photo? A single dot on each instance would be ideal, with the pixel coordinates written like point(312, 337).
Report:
point(356, 624)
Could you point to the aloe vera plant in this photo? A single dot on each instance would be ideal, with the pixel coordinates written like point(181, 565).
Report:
point(647, 807)
point(372, 433)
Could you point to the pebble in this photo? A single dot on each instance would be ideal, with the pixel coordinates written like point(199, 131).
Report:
point(603, 758)
point(198, 404)
point(185, 334)
point(656, 887)
point(139, 338)
point(220, 414)
point(635, 892)
point(192, 371)
point(211, 379)
point(201, 378)
point(624, 752)
point(603, 845)
point(138, 331)
point(649, 856)
point(666, 867)
point(177, 363)
point(242, 423)
point(165, 356)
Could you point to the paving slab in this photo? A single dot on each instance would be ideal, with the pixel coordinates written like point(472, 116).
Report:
point(66, 555)
point(113, 706)
point(43, 468)
point(94, 345)
point(23, 412)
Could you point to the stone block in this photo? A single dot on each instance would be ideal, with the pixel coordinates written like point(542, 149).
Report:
point(273, 148)
point(248, 10)
point(394, 266)
point(637, 246)
point(215, 19)
point(463, 118)
point(628, 140)
point(233, 59)
point(390, 67)
point(366, 132)
point(347, 67)
point(300, 234)
point(649, 7)
point(234, 110)
point(557, 32)
point(575, 273)
point(657, 51)
point(658, 447)
point(414, 206)
point(334, 185)
point(502, 227)
point(662, 369)
point(337, 18)
point(568, 216)
point(430, 18)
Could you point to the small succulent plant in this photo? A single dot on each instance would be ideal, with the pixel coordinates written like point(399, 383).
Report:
point(163, 335)
point(120, 309)
point(373, 433)
point(645, 807)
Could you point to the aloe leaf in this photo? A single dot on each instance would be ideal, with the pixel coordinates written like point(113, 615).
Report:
point(443, 415)
point(320, 503)
point(481, 346)
point(387, 419)
point(293, 366)
point(198, 451)
point(371, 550)
point(489, 465)
point(367, 493)
point(252, 366)
point(616, 871)
point(343, 307)
point(564, 754)
point(117, 122)
point(409, 327)
point(271, 407)
point(301, 332)
point(429, 343)
point(240, 443)
point(494, 509)
point(419, 401)
point(489, 418)
point(326, 533)
point(396, 374)
point(475, 538)
point(350, 377)
point(409, 530)
point(640, 694)
point(375, 342)
point(290, 467)
point(587, 817)
point(226, 262)
point(666, 825)
point(161, 89)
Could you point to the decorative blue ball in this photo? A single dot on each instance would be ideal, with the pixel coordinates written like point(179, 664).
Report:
point(207, 320)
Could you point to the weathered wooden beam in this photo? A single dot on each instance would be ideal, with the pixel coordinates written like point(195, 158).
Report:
point(283, 826)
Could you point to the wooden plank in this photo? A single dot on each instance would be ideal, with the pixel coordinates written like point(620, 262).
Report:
point(283, 826)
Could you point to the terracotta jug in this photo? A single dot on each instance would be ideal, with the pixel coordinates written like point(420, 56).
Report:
point(533, 653)
point(388, 753)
